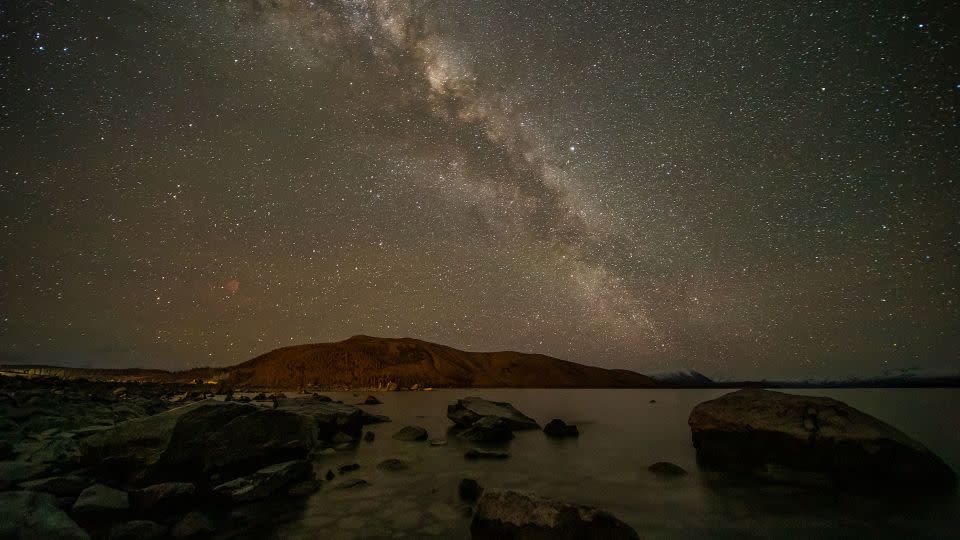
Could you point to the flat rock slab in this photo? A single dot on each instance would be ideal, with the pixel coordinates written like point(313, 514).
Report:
point(503, 514)
point(474, 454)
point(758, 431)
point(392, 465)
point(467, 411)
point(489, 429)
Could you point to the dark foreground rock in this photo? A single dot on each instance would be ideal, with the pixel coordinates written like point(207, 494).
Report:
point(411, 433)
point(136, 530)
point(164, 497)
point(665, 468)
point(513, 515)
point(101, 502)
point(199, 441)
point(489, 429)
point(763, 432)
point(469, 489)
point(266, 481)
point(193, 525)
point(31, 514)
point(468, 411)
point(61, 486)
point(559, 429)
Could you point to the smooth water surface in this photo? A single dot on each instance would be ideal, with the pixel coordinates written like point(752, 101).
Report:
point(622, 433)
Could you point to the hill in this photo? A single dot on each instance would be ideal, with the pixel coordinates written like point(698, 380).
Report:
point(364, 361)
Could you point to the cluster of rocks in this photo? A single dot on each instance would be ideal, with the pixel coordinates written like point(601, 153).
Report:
point(141, 461)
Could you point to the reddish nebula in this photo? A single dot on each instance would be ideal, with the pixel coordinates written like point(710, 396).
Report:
point(233, 286)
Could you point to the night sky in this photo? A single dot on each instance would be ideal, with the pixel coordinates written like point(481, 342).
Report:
point(751, 189)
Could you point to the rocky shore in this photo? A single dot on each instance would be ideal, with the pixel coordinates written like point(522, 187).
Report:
point(82, 459)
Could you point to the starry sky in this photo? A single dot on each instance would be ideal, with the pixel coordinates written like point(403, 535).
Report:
point(750, 189)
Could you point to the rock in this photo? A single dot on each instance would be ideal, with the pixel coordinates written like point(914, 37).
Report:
point(331, 417)
point(35, 515)
point(244, 399)
point(352, 483)
point(340, 438)
point(348, 468)
point(469, 489)
point(392, 386)
point(61, 486)
point(329, 475)
point(6, 450)
point(100, 501)
point(304, 488)
point(372, 400)
point(438, 442)
point(265, 482)
point(503, 514)
point(665, 468)
point(467, 411)
point(474, 453)
point(193, 525)
point(164, 497)
point(136, 530)
point(369, 436)
point(119, 391)
point(653, 401)
point(197, 441)
point(557, 429)
point(261, 397)
point(14, 472)
point(321, 397)
point(392, 465)
point(411, 433)
point(489, 429)
point(759, 431)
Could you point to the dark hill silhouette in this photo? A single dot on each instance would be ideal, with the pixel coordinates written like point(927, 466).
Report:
point(364, 361)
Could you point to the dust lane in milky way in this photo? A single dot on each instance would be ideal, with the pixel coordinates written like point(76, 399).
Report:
point(755, 191)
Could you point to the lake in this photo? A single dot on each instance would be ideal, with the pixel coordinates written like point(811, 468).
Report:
point(621, 434)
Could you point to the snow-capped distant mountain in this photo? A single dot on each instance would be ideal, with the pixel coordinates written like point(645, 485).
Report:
point(684, 377)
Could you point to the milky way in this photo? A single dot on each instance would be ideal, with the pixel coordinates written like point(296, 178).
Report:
point(759, 191)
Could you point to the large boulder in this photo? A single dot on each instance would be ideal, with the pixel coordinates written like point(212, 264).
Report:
point(468, 411)
point(489, 429)
point(202, 441)
point(136, 530)
point(61, 486)
point(265, 482)
point(31, 514)
point(766, 433)
point(514, 515)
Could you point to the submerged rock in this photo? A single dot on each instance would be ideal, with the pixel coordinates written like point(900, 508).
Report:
point(489, 429)
point(372, 400)
point(665, 468)
point(411, 433)
point(369, 436)
point(31, 514)
point(348, 468)
point(468, 411)
point(392, 465)
point(758, 431)
point(503, 514)
point(265, 482)
point(557, 429)
point(352, 483)
point(474, 453)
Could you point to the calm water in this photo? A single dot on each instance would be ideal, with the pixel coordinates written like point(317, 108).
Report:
point(621, 434)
